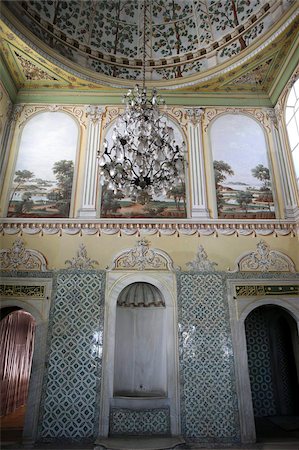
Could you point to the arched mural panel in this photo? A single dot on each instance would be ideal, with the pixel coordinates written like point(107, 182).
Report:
point(121, 204)
point(241, 168)
point(43, 179)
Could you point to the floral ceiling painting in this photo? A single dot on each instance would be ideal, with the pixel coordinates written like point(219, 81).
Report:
point(241, 169)
point(179, 33)
point(43, 177)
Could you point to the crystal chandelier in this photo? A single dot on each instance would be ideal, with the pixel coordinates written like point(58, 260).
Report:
point(144, 155)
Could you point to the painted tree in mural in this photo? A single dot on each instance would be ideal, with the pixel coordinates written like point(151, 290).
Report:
point(111, 30)
point(244, 198)
point(228, 15)
point(221, 170)
point(110, 201)
point(262, 173)
point(178, 193)
point(21, 177)
point(64, 172)
point(174, 33)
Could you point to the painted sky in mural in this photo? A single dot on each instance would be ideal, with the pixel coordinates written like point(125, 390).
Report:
point(43, 178)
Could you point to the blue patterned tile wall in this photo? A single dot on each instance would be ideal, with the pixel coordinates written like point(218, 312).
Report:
point(148, 421)
point(208, 399)
point(74, 360)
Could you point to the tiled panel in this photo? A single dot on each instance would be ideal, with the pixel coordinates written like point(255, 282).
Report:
point(147, 422)
point(209, 407)
point(75, 355)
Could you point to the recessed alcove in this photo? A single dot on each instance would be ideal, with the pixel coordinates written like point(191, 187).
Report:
point(140, 358)
point(140, 368)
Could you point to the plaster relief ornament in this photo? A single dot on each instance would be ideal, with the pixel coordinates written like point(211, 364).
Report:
point(201, 262)
point(142, 257)
point(265, 260)
point(20, 258)
point(81, 260)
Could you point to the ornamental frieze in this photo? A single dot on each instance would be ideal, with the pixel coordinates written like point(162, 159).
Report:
point(74, 227)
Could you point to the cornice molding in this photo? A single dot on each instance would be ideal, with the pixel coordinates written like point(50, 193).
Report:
point(149, 227)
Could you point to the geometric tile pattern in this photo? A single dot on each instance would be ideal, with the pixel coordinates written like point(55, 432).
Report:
point(147, 421)
point(259, 364)
point(208, 399)
point(75, 357)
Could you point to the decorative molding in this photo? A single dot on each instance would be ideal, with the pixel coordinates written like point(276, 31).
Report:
point(81, 260)
point(262, 290)
point(33, 72)
point(142, 257)
point(29, 110)
point(257, 113)
point(264, 260)
point(161, 228)
point(20, 258)
point(12, 290)
point(201, 262)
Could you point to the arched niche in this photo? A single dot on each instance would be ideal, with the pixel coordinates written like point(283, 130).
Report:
point(171, 204)
point(41, 182)
point(242, 171)
point(161, 394)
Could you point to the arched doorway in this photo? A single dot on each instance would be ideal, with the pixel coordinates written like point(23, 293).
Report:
point(17, 331)
point(273, 363)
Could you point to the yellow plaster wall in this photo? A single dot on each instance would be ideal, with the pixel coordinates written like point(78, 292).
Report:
point(224, 250)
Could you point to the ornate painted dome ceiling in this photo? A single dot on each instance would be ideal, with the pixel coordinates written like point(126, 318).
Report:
point(211, 47)
point(183, 37)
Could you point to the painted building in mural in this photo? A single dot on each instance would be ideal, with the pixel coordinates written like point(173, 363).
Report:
point(171, 316)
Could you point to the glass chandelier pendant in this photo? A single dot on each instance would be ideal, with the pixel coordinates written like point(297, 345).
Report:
point(143, 156)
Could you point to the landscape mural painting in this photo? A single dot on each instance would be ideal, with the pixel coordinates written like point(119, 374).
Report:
point(241, 169)
point(43, 178)
point(169, 204)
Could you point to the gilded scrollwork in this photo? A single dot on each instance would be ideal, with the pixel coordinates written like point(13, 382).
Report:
point(142, 257)
point(81, 260)
point(20, 258)
point(201, 261)
point(265, 260)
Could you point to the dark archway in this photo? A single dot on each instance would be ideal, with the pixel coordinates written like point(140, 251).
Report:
point(17, 330)
point(273, 362)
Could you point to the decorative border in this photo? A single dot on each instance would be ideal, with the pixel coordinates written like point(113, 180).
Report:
point(149, 228)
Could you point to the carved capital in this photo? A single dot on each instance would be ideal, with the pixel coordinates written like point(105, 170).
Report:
point(194, 115)
point(271, 115)
point(15, 112)
point(95, 113)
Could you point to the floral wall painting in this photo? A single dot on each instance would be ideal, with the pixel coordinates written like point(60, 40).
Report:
point(43, 178)
point(241, 169)
point(170, 204)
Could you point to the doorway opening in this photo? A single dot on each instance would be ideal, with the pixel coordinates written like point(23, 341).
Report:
point(273, 363)
point(17, 330)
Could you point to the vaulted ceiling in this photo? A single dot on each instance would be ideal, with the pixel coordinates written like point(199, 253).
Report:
point(237, 48)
